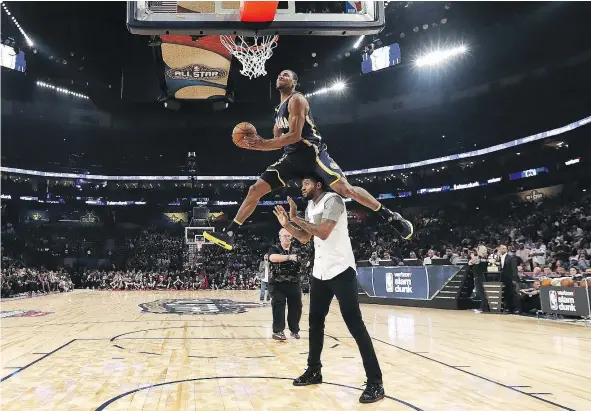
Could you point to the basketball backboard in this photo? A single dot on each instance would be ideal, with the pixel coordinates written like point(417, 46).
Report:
point(193, 234)
point(198, 18)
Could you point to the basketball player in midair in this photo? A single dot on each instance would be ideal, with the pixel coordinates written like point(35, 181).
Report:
point(304, 153)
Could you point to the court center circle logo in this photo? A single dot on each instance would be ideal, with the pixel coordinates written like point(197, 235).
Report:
point(199, 306)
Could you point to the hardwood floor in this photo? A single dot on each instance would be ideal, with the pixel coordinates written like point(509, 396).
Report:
point(99, 350)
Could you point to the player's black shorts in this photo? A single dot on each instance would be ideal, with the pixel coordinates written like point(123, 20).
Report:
point(301, 163)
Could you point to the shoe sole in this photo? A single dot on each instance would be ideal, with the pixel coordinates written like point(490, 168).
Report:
point(279, 338)
point(217, 241)
point(412, 230)
point(381, 397)
point(299, 384)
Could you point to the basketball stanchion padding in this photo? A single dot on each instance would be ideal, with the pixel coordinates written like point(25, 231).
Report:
point(258, 11)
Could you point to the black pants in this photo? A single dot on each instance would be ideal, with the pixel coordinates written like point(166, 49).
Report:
point(479, 271)
point(529, 303)
point(344, 287)
point(280, 293)
point(511, 299)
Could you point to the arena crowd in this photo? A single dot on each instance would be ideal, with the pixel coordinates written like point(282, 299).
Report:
point(549, 238)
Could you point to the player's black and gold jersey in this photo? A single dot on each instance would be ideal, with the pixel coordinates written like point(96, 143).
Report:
point(309, 132)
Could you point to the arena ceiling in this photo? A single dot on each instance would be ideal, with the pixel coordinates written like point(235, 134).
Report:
point(80, 43)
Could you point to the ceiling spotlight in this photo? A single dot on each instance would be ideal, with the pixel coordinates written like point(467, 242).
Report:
point(347, 54)
point(313, 54)
point(415, 29)
point(339, 85)
point(443, 21)
point(71, 54)
point(50, 57)
point(65, 62)
point(425, 26)
point(315, 65)
point(402, 35)
point(358, 42)
point(440, 56)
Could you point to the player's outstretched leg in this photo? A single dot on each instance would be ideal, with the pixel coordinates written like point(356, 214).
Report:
point(362, 196)
point(225, 238)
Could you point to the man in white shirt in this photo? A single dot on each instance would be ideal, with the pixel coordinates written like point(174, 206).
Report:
point(374, 259)
point(333, 275)
point(523, 253)
point(264, 277)
point(538, 255)
point(430, 255)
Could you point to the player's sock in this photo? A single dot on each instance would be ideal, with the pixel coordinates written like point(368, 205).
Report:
point(387, 214)
point(234, 225)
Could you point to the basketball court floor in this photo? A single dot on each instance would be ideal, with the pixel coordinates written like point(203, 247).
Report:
point(92, 350)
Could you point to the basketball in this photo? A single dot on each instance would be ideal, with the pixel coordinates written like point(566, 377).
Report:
point(567, 282)
point(546, 282)
point(242, 130)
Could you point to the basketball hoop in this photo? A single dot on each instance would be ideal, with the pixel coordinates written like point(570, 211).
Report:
point(252, 56)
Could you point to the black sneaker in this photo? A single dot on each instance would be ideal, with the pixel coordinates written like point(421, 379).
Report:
point(220, 238)
point(295, 335)
point(404, 227)
point(280, 336)
point(309, 377)
point(372, 393)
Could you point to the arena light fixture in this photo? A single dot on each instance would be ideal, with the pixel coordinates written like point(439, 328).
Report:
point(358, 42)
point(335, 87)
point(573, 161)
point(439, 56)
point(455, 187)
point(61, 90)
point(405, 166)
point(338, 86)
point(18, 26)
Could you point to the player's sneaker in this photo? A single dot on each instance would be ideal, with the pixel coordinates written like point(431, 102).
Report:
point(280, 336)
point(220, 238)
point(309, 377)
point(402, 226)
point(372, 393)
point(295, 335)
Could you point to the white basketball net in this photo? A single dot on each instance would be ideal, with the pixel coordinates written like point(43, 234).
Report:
point(252, 56)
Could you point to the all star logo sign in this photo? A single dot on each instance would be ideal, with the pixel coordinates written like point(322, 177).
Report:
point(198, 306)
point(196, 72)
